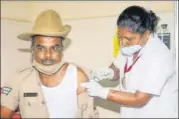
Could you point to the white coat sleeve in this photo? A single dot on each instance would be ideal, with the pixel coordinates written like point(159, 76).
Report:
point(119, 60)
point(155, 76)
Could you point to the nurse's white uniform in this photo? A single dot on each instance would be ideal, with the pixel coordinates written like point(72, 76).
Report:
point(154, 73)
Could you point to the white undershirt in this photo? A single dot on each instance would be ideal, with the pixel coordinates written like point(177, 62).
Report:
point(62, 99)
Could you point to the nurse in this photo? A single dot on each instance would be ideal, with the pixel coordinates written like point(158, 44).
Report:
point(144, 67)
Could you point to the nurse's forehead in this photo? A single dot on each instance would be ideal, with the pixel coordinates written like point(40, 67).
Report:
point(123, 30)
point(127, 32)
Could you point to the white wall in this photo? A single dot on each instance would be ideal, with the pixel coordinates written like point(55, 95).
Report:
point(92, 44)
point(11, 58)
point(86, 9)
point(28, 10)
point(19, 10)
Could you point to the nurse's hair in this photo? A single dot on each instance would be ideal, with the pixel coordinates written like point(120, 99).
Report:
point(138, 19)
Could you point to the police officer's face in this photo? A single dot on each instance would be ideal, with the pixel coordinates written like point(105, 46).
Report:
point(129, 38)
point(47, 50)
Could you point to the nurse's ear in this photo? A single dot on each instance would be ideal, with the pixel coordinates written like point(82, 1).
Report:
point(146, 35)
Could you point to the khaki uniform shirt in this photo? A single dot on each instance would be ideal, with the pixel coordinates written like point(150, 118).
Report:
point(24, 91)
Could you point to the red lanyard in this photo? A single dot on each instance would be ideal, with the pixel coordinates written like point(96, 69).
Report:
point(130, 67)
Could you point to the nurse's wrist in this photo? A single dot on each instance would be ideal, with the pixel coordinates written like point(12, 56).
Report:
point(104, 93)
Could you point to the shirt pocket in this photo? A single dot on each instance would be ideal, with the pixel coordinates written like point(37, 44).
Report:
point(31, 107)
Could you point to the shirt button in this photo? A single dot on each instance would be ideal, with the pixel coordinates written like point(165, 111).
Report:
point(29, 104)
point(43, 102)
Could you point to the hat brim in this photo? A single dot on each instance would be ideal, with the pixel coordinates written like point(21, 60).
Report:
point(28, 36)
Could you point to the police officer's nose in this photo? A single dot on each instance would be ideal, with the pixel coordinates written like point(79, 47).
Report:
point(48, 54)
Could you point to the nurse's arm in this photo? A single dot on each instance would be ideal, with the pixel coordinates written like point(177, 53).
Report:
point(137, 99)
point(116, 72)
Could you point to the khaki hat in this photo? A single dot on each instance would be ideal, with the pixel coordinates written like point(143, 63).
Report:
point(48, 23)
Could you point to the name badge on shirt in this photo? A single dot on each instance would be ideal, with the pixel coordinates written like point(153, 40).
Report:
point(30, 94)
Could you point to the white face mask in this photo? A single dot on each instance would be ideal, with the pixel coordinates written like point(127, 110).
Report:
point(130, 50)
point(48, 70)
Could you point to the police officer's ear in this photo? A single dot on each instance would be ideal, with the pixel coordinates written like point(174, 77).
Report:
point(66, 43)
point(62, 54)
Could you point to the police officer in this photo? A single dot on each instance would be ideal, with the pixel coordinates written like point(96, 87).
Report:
point(50, 88)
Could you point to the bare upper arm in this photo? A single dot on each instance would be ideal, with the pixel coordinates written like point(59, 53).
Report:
point(82, 77)
point(6, 112)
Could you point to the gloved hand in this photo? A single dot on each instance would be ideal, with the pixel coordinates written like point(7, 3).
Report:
point(101, 73)
point(95, 89)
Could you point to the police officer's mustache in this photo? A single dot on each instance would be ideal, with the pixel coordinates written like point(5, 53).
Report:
point(48, 62)
point(47, 69)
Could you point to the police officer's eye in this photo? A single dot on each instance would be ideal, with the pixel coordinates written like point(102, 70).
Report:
point(57, 48)
point(39, 47)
